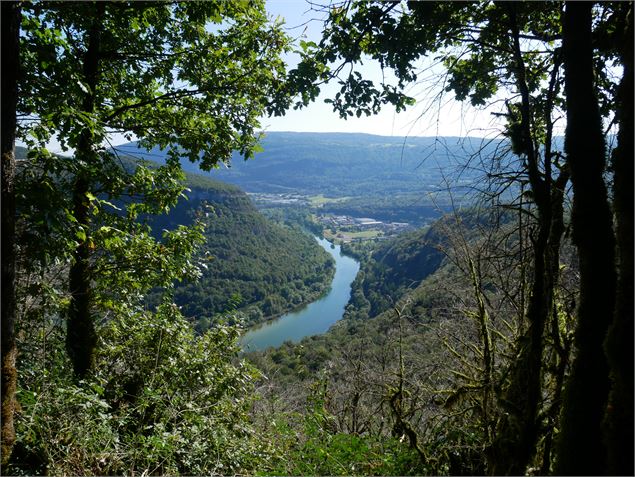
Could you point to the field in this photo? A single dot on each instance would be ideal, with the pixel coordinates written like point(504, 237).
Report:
point(350, 236)
point(320, 200)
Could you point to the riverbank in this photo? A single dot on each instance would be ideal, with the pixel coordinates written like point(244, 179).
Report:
point(295, 309)
point(315, 318)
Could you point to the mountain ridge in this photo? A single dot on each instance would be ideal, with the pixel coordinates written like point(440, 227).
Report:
point(342, 164)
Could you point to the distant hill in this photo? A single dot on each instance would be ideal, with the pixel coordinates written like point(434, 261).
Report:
point(341, 164)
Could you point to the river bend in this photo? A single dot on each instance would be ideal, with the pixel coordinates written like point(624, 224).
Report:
point(315, 318)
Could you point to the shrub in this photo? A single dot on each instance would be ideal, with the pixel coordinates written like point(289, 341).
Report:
point(161, 400)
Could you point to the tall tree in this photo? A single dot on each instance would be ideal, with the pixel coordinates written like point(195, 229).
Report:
point(619, 342)
point(10, 53)
point(190, 77)
point(81, 337)
point(581, 450)
point(518, 433)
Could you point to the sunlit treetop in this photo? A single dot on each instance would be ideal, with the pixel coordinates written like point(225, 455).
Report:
point(196, 74)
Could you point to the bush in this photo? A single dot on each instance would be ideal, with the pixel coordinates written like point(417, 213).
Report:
point(161, 400)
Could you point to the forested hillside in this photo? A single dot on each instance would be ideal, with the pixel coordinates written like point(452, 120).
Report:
point(250, 264)
point(394, 267)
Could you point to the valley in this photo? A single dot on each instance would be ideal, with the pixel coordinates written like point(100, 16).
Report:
point(199, 279)
point(252, 269)
point(353, 302)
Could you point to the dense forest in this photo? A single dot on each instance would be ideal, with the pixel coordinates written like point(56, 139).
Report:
point(496, 340)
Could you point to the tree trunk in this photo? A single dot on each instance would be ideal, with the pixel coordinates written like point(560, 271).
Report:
point(580, 447)
point(81, 337)
point(518, 431)
point(619, 344)
point(11, 17)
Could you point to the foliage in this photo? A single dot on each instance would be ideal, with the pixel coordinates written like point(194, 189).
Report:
point(458, 365)
point(154, 70)
point(161, 399)
point(323, 451)
point(157, 71)
point(491, 51)
point(171, 408)
point(164, 76)
point(127, 258)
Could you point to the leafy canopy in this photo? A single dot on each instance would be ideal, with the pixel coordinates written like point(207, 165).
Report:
point(196, 74)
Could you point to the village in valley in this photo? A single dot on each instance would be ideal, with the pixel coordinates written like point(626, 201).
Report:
point(337, 228)
point(344, 228)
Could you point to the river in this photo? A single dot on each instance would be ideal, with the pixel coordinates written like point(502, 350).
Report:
point(315, 318)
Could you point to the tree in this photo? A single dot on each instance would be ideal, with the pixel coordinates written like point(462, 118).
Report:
point(10, 41)
point(480, 45)
point(619, 344)
point(195, 74)
point(581, 447)
point(190, 77)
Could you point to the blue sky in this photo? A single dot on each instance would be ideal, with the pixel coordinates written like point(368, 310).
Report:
point(430, 117)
